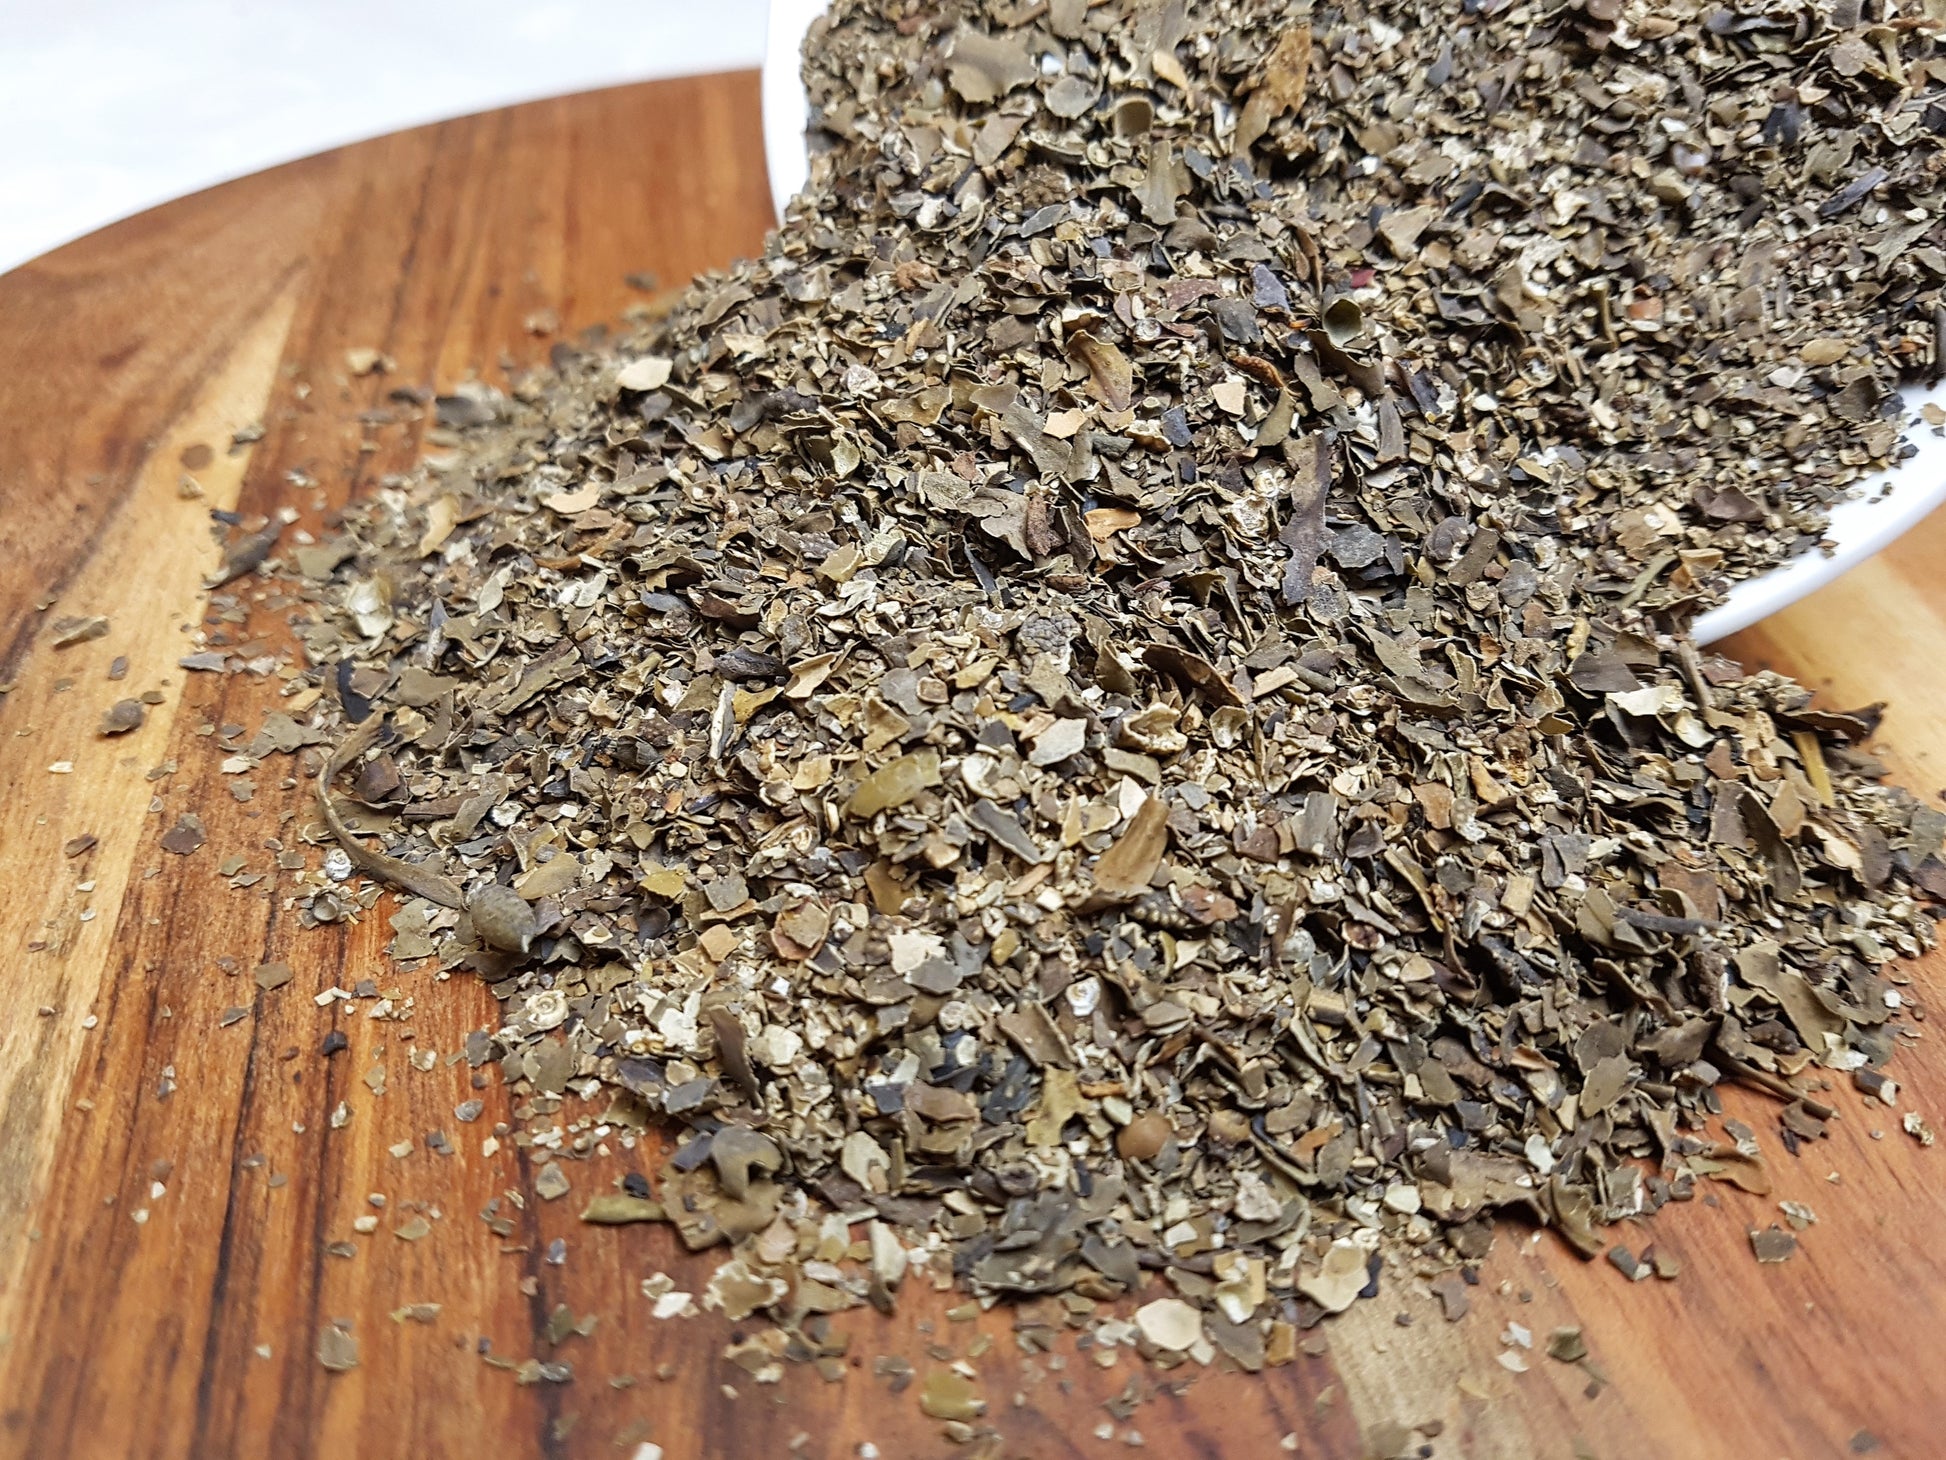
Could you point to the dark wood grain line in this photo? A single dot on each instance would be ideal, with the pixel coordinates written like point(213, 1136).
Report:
point(227, 1241)
point(540, 1303)
point(300, 1434)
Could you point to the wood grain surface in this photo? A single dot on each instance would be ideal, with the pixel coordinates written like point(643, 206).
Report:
point(172, 1187)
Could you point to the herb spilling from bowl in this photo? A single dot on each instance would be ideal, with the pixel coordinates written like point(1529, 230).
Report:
point(1115, 707)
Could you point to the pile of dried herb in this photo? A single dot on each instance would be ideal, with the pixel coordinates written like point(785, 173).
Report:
point(1116, 704)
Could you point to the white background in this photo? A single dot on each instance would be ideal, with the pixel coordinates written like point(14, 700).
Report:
point(108, 107)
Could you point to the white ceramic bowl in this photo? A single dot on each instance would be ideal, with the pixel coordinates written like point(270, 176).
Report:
point(1878, 510)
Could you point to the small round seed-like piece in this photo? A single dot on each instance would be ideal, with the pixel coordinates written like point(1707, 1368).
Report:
point(1143, 1137)
point(501, 918)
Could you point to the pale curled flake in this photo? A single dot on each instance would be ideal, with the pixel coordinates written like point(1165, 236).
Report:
point(1062, 739)
point(1344, 322)
point(1339, 1279)
point(674, 1304)
point(737, 1290)
point(864, 1161)
point(650, 372)
point(888, 1255)
point(1170, 1323)
point(574, 503)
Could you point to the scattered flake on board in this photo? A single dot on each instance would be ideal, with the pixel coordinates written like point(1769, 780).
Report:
point(271, 976)
point(186, 836)
point(1772, 1244)
point(337, 1347)
point(950, 1394)
point(1450, 1289)
point(1170, 1323)
point(1567, 1345)
point(66, 632)
point(123, 716)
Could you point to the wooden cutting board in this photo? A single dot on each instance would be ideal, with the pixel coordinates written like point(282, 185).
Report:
point(172, 1188)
